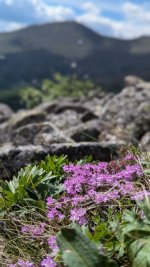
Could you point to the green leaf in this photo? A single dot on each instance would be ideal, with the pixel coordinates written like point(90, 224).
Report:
point(78, 251)
point(100, 231)
point(135, 235)
point(139, 252)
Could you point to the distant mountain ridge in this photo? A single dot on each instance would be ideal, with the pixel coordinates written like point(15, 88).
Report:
point(37, 52)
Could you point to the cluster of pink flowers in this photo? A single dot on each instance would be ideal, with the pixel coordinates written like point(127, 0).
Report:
point(33, 230)
point(22, 263)
point(140, 195)
point(93, 184)
point(86, 187)
point(53, 245)
point(46, 262)
point(37, 231)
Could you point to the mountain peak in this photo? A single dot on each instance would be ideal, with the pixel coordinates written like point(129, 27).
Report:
point(39, 51)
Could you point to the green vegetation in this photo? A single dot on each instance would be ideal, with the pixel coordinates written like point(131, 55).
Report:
point(69, 86)
point(59, 86)
point(77, 250)
point(33, 184)
point(11, 97)
point(47, 219)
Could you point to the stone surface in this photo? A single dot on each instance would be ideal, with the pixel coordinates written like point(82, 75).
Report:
point(65, 120)
point(85, 132)
point(38, 134)
point(5, 112)
point(126, 115)
point(26, 117)
point(132, 80)
point(145, 141)
point(88, 116)
point(13, 158)
point(70, 106)
point(61, 126)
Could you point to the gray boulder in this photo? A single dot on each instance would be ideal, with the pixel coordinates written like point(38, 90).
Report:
point(13, 158)
point(5, 112)
point(126, 115)
point(65, 120)
point(85, 132)
point(145, 142)
point(26, 117)
point(38, 134)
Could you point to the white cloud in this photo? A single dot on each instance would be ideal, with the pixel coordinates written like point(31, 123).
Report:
point(10, 26)
point(136, 13)
point(44, 11)
point(134, 18)
point(9, 2)
point(93, 17)
point(134, 23)
point(33, 11)
point(53, 13)
point(90, 8)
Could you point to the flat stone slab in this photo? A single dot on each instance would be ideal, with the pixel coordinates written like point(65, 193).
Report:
point(13, 158)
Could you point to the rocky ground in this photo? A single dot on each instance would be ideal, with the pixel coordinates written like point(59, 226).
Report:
point(96, 124)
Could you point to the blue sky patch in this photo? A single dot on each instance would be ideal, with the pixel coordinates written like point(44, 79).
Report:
point(125, 19)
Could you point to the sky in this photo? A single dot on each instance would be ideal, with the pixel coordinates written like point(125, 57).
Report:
point(117, 18)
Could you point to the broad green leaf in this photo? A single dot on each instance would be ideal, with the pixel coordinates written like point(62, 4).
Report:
point(139, 252)
point(78, 251)
point(135, 234)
